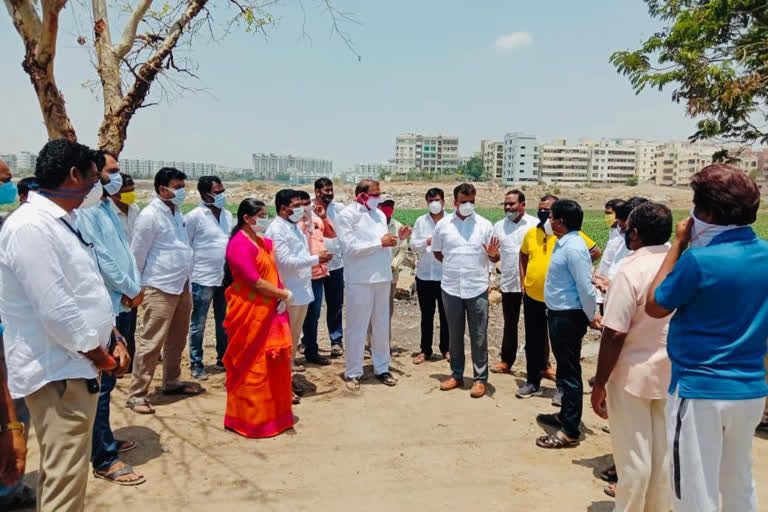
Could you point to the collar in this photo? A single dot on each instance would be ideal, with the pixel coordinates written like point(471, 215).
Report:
point(648, 250)
point(44, 204)
point(740, 234)
point(464, 221)
point(565, 237)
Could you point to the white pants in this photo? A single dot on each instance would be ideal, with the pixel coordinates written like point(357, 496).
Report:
point(366, 303)
point(639, 439)
point(710, 442)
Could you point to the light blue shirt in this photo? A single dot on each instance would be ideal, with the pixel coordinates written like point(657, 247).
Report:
point(569, 278)
point(101, 227)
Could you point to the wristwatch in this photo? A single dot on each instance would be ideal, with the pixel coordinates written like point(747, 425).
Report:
point(13, 425)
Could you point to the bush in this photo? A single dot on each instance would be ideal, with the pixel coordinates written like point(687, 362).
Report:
point(631, 182)
point(556, 191)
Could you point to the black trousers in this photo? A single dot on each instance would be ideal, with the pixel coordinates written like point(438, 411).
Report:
point(567, 329)
point(510, 307)
point(430, 294)
point(536, 344)
point(126, 325)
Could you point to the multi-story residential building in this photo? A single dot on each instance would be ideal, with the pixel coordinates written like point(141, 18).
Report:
point(146, 169)
point(676, 162)
point(374, 169)
point(22, 162)
point(521, 159)
point(10, 160)
point(563, 163)
point(492, 153)
point(437, 154)
point(269, 166)
point(612, 162)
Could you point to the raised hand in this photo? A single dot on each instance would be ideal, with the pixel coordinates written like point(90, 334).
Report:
point(325, 257)
point(404, 232)
point(492, 248)
point(320, 210)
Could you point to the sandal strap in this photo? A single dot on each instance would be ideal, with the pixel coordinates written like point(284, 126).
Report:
point(125, 470)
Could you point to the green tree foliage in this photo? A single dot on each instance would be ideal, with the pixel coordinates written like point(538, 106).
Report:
point(631, 181)
point(715, 55)
point(474, 169)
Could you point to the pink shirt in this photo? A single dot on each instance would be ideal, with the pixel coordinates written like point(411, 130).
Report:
point(643, 368)
point(316, 237)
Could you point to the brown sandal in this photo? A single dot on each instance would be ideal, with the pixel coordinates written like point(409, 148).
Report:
point(419, 359)
point(555, 442)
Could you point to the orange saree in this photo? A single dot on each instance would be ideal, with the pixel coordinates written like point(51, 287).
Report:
point(258, 357)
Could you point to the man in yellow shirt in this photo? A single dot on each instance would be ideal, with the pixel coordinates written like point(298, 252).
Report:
point(534, 261)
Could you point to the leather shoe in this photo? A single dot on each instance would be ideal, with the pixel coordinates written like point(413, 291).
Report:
point(478, 390)
point(450, 384)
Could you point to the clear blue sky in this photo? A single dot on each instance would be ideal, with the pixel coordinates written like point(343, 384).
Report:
point(431, 66)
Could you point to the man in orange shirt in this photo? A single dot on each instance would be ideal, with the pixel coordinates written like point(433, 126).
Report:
point(317, 227)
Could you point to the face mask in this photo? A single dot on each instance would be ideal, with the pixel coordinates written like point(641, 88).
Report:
point(179, 195)
point(466, 209)
point(610, 219)
point(297, 214)
point(219, 201)
point(513, 216)
point(702, 232)
point(548, 227)
point(372, 202)
point(388, 211)
point(435, 207)
point(115, 184)
point(261, 224)
point(8, 193)
point(128, 197)
point(543, 216)
point(327, 198)
point(93, 197)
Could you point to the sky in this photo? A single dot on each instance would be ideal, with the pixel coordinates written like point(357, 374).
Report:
point(473, 68)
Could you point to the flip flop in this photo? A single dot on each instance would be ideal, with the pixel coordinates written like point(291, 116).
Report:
point(419, 359)
point(387, 379)
point(133, 406)
point(353, 384)
point(125, 446)
point(125, 470)
point(187, 389)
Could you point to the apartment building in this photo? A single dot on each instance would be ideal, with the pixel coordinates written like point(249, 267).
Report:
point(612, 162)
point(373, 169)
point(560, 162)
point(269, 166)
point(492, 153)
point(520, 161)
point(676, 162)
point(146, 169)
point(436, 154)
point(22, 162)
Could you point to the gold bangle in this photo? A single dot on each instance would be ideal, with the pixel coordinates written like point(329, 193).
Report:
point(13, 425)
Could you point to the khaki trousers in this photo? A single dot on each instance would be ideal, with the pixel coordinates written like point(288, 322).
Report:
point(296, 316)
point(62, 413)
point(165, 325)
point(639, 439)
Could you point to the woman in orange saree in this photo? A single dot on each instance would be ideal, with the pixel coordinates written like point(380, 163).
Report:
point(258, 356)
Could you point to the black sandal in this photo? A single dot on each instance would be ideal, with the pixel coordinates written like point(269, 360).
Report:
point(610, 475)
point(387, 379)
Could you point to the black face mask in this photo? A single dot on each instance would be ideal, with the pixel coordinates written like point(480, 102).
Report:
point(327, 198)
point(543, 216)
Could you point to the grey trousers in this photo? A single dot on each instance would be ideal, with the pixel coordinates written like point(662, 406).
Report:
point(475, 310)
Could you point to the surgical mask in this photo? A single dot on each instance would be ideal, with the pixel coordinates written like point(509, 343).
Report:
point(219, 201)
point(610, 219)
point(513, 216)
point(466, 209)
point(435, 207)
point(179, 195)
point(93, 197)
point(261, 224)
point(702, 232)
point(543, 216)
point(8, 192)
point(128, 197)
point(327, 198)
point(115, 184)
point(297, 214)
point(548, 227)
point(372, 202)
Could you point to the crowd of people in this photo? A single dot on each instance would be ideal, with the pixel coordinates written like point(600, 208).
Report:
point(681, 368)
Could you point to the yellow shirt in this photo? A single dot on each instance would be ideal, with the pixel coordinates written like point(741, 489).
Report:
point(538, 247)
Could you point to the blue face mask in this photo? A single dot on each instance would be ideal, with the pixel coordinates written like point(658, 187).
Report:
point(219, 201)
point(8, 193)
point(179, 195)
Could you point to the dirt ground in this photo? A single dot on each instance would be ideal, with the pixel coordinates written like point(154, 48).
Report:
point(406, 448)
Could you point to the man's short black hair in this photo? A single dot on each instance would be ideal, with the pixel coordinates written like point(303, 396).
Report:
point(321, 183)
point(519, 193)
point(205, 184)
point(653, 222)
point(101, 160)
point(364, 186)
point(435, 192)
point(569, 212)
point(57, 158)
point(26, 184)
point(284, 198)
point(622, 211)
point(547, 197)
point(303, 195)
point(466, 189)
point(165, 175)
point(611, 204)
point(127, 179)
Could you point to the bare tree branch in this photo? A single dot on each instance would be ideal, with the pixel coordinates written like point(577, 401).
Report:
point(129, 32)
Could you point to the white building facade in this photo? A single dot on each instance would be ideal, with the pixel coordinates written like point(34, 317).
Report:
point(520, 160)
point(436, 154)
point(492, 153)
point(270, 166)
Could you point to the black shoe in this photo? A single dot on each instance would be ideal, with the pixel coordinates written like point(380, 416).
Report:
point(318, 360)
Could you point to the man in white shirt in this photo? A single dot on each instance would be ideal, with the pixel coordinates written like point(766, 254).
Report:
point(294, 262)
point(164, 258)
point(465, 244)
point(366, 244)
point(611, 246)
point(208, 228)
point(58, 319)
point(429, 271)
point(333, 284)
point(510, 232)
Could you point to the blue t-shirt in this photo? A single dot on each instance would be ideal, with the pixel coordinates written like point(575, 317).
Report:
point(717, 337)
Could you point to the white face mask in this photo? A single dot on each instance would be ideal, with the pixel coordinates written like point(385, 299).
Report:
point(702, 232)
point(435, 207)
point(548, 228)
point(297, 214)
point(93, 197)
point(373, 202)
point(261, 224)
point(115, 184)
point(466, 209)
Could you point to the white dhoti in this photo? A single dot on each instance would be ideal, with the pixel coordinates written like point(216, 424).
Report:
point(366, 304)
